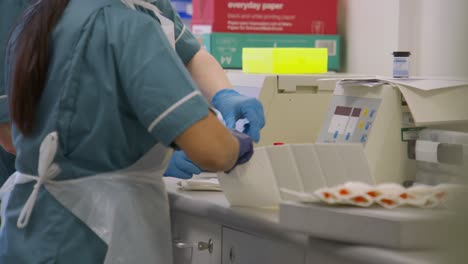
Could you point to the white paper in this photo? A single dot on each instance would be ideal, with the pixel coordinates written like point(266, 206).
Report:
point(428, 84)
point(200, 185)
point(418, 83)
point(371, 82)
point(347, 83)
point(427, 151)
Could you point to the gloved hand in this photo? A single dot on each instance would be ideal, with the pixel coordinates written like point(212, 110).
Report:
point(246, 148)
point(234, 106)
point(181, 166)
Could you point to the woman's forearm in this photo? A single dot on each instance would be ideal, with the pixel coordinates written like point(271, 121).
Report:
point(207, 74)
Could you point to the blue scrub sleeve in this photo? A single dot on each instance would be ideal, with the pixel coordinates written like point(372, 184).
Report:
point(187, 44)
point(159, 88)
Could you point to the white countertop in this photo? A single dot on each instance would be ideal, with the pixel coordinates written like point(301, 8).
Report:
point(214, 206)
point(265, 223)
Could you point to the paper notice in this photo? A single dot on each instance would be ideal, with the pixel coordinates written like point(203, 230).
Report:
point(427, 151)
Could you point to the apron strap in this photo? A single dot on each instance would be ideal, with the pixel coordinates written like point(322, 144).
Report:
point(25, 213)
point(47, 172)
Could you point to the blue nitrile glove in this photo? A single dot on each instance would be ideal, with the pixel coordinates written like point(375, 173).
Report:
point(246, 148)
point(234, 106)
point(181, 166)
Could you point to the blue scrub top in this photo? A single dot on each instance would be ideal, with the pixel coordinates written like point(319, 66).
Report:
point(10, 12)
point(115, 89)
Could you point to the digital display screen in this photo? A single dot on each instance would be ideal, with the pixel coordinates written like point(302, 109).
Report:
point(343, 110)
point(356, 112)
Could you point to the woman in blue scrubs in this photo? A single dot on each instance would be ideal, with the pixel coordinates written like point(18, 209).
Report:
point(203, 68)
point(97, 96)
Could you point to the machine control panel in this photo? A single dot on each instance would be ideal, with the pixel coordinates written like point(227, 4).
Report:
point(349, 120)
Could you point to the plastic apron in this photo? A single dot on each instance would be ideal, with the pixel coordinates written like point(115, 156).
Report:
point(128, 209)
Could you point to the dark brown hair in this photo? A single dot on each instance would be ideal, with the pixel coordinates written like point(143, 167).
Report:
point(32, 54)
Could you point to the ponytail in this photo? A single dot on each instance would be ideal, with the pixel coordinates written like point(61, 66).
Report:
point(31, 61)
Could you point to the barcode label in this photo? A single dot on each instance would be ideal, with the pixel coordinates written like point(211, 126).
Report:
point(329, 44)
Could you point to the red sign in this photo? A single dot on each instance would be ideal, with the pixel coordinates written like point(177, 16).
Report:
point(265, 16)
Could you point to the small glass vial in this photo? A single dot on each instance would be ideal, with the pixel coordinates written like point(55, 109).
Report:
point(401, 64)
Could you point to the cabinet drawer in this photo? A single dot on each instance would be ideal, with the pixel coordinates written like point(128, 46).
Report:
point(244, 248)
point(196, 240)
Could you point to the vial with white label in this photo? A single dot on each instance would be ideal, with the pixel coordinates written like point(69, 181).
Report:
point(401, 64)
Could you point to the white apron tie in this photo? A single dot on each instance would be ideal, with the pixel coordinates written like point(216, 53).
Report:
point(47, 172)
point(128, 209)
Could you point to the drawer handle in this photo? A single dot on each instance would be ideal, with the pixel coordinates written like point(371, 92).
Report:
point(204, 246)
point(232, 255)
point(200, 245)
point(182, 245)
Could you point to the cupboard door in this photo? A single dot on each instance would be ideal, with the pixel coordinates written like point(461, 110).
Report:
point(195, 240)
point(244, 248)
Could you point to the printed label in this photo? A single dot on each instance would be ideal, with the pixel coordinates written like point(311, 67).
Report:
point(255, 6)
point(275, 16)
point(410, 133)
point(226, 60)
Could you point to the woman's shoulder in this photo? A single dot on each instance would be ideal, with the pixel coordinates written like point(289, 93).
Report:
point(119, 11)
point(112, 10)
